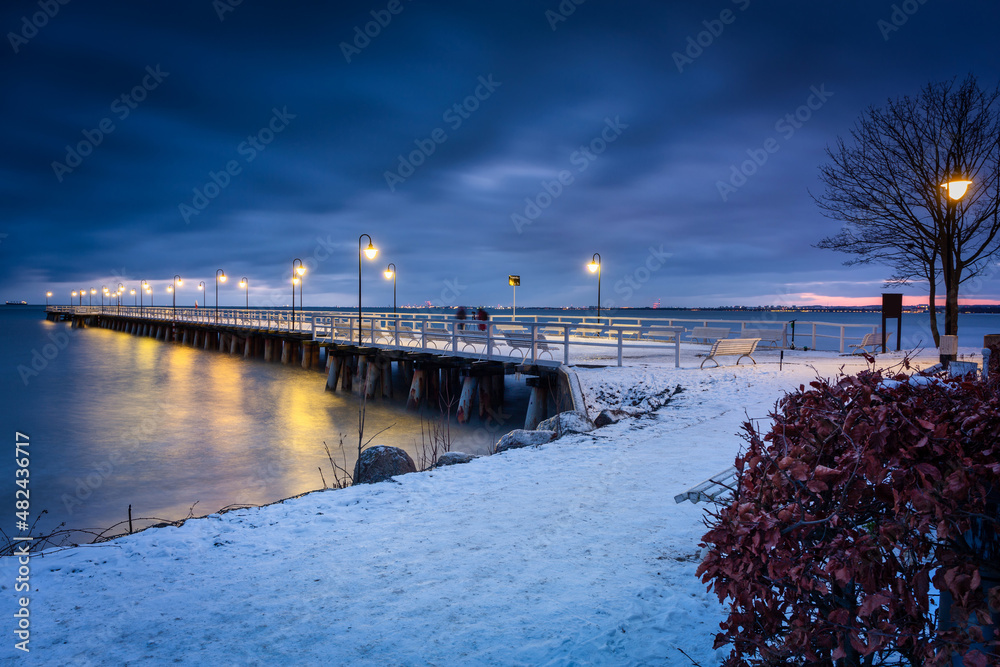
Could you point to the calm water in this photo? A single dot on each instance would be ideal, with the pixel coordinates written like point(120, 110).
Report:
point(117, 420)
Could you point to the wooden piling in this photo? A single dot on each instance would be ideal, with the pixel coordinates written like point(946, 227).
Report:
point(537, 407)
point(465, 401)
point(417, 387)
point(371, 380)
point(334, 373)
point(386, 368)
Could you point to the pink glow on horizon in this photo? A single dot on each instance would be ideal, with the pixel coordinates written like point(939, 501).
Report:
point(812, 299)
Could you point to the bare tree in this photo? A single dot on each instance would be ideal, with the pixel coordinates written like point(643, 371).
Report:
point(885, 186)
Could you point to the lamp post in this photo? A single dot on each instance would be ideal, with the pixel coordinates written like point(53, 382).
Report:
point(370, 253)
point(133, 298)
point(47, 295)
point(203, 290)
point(121, 290)
point(219, 275)
point(391, 273)
point(955, 189)
point(143, 287)
point(72, 296)
point(245, 284)
point(595, 267)
point(297, 273)
point(177, 282)
point(92, 293)
point(149, 291)
point(82, 292)
point(104, 292)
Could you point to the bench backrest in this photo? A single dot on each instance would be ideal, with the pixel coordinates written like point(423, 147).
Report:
point(734, 346)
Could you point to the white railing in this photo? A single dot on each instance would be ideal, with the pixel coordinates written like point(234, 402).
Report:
point(320, 323)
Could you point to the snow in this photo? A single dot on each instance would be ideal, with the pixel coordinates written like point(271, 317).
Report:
point(570, 553)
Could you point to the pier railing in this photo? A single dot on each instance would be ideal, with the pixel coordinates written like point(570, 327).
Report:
point(586, 331)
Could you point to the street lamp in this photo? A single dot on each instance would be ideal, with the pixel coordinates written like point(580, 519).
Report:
point(297, 273)
point(956, 189)
point(149, 291)
point(204, 290)
point(92, 293)
point(72, 296)
point(390, 273)
point(143, 287)
point(82, 292)
point(219, 275)
point(177, 282)
point(47, 295)
point(245, 284)
point(370, 253)
point(595, 267)
point(133, 298)
point(104, 292)
point(121, 290)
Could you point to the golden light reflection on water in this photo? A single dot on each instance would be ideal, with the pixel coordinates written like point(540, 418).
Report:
point(162, 427)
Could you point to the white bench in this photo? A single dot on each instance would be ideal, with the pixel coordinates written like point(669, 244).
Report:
point(773, 336)
point(872, 340)
point(729, 346)
point(708, 333)
point(521, 341)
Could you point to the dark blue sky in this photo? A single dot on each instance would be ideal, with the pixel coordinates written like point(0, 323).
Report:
point(153, 138)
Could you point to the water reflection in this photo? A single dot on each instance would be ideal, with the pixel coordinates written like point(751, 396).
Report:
point(121, 420)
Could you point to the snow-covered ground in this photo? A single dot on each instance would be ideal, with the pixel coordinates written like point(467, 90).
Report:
point(572, 553)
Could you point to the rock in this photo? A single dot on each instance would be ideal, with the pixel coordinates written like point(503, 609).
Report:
point(605, 419)
point(567, 422)
point(379, 463)
point(521, 438)
point(452, 458)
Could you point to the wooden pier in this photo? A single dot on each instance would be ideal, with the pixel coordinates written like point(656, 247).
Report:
point(453, 384)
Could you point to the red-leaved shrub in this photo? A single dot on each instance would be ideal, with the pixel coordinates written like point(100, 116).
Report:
point(865, 492)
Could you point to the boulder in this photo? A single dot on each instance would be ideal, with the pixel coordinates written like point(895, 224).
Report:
point(379, 463)
point(452, 458)
point(567, 422)
point(522, 438)
point(605, 419)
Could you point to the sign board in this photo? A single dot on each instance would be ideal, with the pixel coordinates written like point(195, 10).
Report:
point(514, 281)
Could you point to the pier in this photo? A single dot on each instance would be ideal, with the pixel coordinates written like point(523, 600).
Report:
point(451, 365)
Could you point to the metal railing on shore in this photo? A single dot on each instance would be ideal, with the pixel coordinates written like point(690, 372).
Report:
point(430, 329)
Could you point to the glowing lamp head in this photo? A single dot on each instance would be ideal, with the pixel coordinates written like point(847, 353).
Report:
point(73, 293)
point(389, 273)
point(170, 288)
point(593, 266)
point(222, 278)
point(48, 294)
point(180, 282)
point(956, 189)
point(93, 291)
point(243, 283)
point(132, 292)
point(300, 269)
point(295, 281)
point(371, 251)
point(148, 290)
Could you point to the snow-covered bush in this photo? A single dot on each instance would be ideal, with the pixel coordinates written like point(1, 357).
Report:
point(865, 492)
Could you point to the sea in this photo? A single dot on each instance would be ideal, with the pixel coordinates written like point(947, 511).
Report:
point(114, 420)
